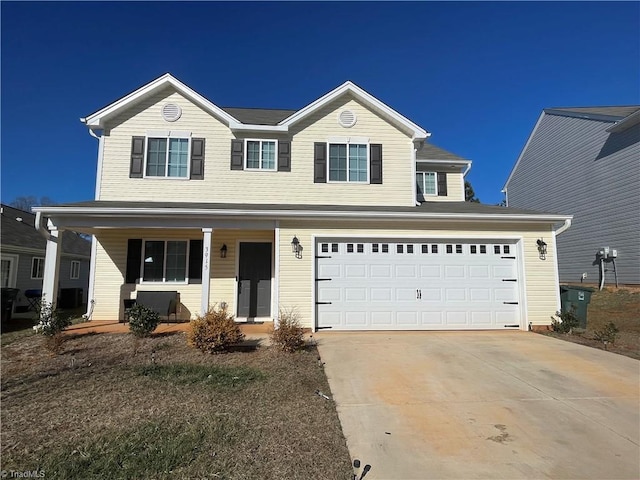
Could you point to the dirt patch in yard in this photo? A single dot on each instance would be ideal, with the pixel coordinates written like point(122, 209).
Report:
point(618, 305)
point(113, 407)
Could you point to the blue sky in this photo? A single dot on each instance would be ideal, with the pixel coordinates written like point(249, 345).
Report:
point(475, 74)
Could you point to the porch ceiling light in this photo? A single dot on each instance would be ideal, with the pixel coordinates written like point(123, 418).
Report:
point(542, 249)
point(223, 251)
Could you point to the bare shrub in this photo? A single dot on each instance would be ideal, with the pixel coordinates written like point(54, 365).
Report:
point(215, 331)
point(288, 335)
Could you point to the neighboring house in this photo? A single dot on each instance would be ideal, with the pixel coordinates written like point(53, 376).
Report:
point(585, 161)
point(23, 259)
point(340, 209)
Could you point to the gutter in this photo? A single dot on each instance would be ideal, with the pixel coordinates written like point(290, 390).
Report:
point(564, 227)
point(170, 212)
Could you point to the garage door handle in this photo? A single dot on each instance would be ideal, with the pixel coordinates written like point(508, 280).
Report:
point(510, 303)
point(323, 303)
point(512, 258)
point(509, 279)
point(418, 294)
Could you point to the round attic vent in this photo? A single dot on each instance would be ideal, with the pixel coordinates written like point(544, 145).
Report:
point(171, 112)
point(347, 118)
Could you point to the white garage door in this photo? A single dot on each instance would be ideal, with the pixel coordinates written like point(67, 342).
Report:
point(410, 285)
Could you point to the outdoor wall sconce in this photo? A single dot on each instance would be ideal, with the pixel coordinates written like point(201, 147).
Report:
point(542, 249)
point(223, 251)
point(296, 247)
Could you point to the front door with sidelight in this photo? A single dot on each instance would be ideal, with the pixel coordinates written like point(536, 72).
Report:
point(254, 280)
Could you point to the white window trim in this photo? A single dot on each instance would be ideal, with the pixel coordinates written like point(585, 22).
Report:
point(167, 135)
point(77, 270)
point(164, 262)
point(33, 260)
point(349, 141)
point(13, 269)
point(435, 176)
point(260, 169)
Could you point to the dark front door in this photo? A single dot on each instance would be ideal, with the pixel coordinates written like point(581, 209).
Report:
point(254, 280)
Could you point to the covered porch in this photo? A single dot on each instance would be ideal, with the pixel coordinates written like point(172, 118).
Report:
point(202, 260)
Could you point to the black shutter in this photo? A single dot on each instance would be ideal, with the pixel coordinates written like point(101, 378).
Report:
point(319, 162)
point(137, 157)
point(134, 258)
point(237, 154)
point(195, 261)
point(197, 159)
point(442, 184)
point(284, 156)
point(375, 162)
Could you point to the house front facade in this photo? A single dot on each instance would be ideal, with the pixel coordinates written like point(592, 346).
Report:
point(341, 210)
point(586, 161)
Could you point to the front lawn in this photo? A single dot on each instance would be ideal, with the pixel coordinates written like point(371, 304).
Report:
point(113, 407)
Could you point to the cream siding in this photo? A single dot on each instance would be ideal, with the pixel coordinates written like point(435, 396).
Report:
point(221, 184)
point(111, 261)
point(296, 275)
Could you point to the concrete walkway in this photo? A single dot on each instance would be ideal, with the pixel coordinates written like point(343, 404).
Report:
point(463, 405)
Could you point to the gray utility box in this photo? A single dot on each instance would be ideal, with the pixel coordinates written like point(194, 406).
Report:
point(578, 298)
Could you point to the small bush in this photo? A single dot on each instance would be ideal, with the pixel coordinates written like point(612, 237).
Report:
point(143, 320)
point(52, 323)
point(565, 322)
point(288, 335)
point(215, 331)
point(607, 334)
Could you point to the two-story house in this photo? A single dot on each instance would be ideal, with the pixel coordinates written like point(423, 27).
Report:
point(586, 161)
point(341, 209)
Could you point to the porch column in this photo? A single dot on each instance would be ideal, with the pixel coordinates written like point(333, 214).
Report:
point(206, 270)
point(52, 267)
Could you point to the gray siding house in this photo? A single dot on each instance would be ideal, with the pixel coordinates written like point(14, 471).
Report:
point(585, 162)
point(23, 253)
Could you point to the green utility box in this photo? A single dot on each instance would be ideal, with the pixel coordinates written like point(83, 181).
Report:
point(572, 296)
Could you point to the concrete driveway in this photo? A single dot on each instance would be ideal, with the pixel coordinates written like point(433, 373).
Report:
point(462, 405)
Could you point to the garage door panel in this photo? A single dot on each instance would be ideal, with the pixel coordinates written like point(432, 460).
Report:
point(407, 318)
point(355, 319)
point(456, 294)
point(353, 294)
point(456, 318)
point(454, 272)
point(382, 318)
point(355, 271)
point(381, 294)
point(405, 285)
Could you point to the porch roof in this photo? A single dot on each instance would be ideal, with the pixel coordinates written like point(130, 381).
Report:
point(109, 214)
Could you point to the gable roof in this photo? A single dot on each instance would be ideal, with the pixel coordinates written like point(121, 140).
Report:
point(18, 230)
point(251, 119)
point(617, 112)
point(431, 152)
point(259, 116)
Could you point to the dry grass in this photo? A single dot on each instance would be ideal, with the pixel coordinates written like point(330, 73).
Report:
point(620, 306)
point(104, 409)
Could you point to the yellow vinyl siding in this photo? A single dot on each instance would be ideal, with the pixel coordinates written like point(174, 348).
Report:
point(296, 280)
point(223, 185)
point(111, 263)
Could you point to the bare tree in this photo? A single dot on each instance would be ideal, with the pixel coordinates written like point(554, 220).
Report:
point(25, 203)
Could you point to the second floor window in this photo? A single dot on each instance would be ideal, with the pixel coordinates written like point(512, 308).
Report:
point(427, 183)
point(261, 155)
point(75, 270)
point(348, 162)
point(37, 268)
point(167, 157)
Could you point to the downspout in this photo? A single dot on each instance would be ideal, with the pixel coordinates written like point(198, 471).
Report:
point(554, 234)
point(40, 227)
point(94, 250)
